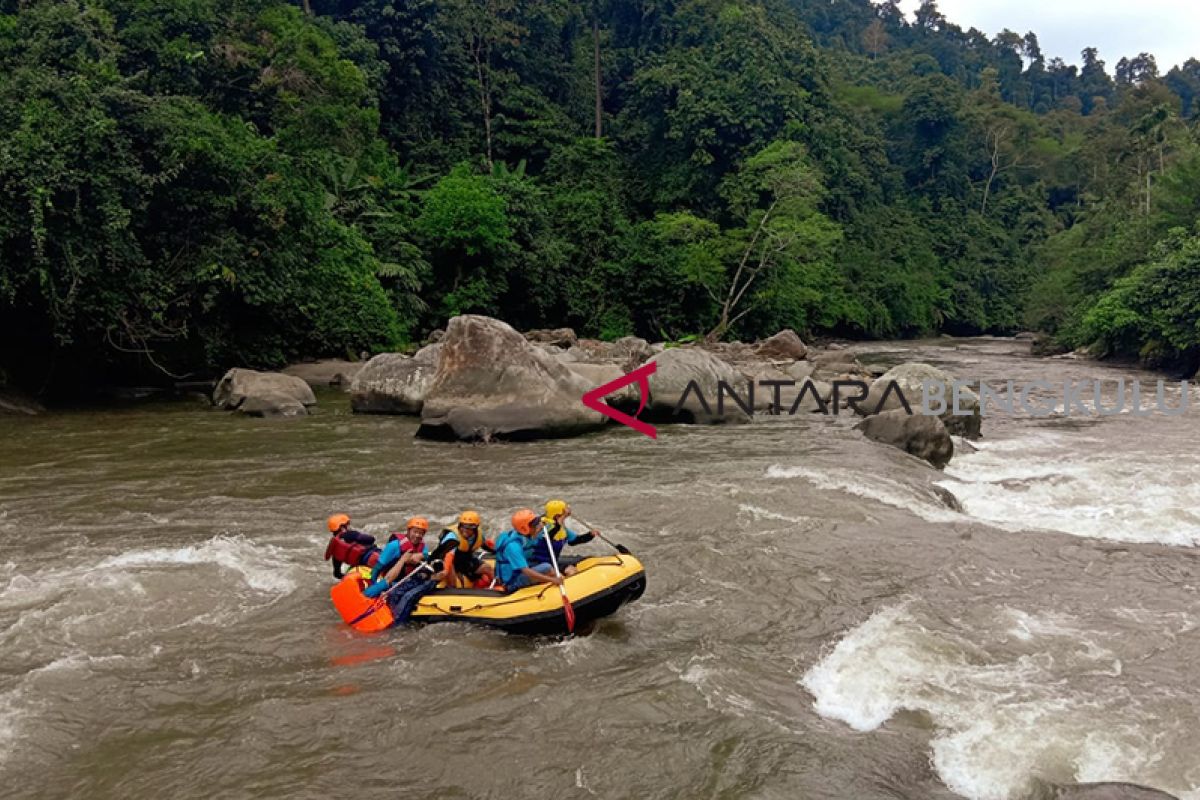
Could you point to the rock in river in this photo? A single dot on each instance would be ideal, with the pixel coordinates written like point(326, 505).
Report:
point(492, 383)
point(263, 394)
point(923, 436)
point(393, 383)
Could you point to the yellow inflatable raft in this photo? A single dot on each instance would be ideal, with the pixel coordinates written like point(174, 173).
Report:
point(601, 586)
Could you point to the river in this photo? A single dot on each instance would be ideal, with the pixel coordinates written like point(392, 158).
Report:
point(818, 623)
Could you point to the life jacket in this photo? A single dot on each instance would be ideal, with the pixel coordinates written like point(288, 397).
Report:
point(404, 547)
point(464, 551)
point(351, 553)
point(504, 570)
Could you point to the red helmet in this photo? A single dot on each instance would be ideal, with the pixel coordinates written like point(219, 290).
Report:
point(337, 521)
point(525, 522)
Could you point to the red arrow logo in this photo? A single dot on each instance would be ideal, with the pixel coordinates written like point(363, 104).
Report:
point(640, 376)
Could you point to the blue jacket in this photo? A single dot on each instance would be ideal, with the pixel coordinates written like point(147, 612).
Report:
point(387, 559)
point(512, 555)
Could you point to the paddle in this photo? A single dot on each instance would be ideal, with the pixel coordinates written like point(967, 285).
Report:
point(568, 610)
point(620, 548)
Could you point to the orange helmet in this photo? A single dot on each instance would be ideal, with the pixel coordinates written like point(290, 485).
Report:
point(417, 522)
point(525, 522)
point(337, 521)
point(468, 518)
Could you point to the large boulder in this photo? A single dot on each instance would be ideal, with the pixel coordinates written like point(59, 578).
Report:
point(16, 403)
point(910, 380)
point(263, 394)
point(393, 383)
point(328, 372)
point(688, 378)
point(923, 436)
point(783, 346)
point(559, 337)
point(492, 383)
point(599, 374)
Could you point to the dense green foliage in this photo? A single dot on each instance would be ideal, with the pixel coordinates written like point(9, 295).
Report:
point(190, 186)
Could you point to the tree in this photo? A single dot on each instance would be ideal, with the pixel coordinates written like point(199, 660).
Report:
point(465, 226)
point(875, 38)
point(778, 193)
point(482, 30)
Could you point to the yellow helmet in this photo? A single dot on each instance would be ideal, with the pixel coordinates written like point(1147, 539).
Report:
point(468, 518)
point(555, 507)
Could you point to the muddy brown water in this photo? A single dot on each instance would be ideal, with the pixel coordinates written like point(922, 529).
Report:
point(818, 623)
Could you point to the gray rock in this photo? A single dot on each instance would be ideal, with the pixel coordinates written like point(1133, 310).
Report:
point(16, 403)
point(801, 370)
point(731, 352)
point(632, 352)
point(268, 393)
point(393, 383)
point(600, 374)
point(923, 436)
point(561, 338)
point(783, 346)
point(832, 364)
point(492, 383)
point(910, 379)
point(677, 368)
point(272, 404)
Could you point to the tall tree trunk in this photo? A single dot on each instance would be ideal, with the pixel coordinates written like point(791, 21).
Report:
point(307, 7)
point(596, 72)
point(482, 75)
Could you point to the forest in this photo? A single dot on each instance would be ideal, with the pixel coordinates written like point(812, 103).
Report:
point(195, 185)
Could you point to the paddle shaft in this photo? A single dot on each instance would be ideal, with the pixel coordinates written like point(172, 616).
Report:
point(568, 611)
point(618, 547)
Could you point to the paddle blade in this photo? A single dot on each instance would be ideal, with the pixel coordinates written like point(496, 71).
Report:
point(568, 610)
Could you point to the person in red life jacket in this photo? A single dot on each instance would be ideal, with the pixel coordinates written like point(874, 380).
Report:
point(401, 555)
point(555, 520)
point(348, 548)
point(459, 550)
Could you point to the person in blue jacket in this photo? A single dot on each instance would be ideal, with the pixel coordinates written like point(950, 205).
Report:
point(400, 556)
point(513, 550)
point(555, 520)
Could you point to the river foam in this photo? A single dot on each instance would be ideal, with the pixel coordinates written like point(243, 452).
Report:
point(1065, 482)
point(257, 565)
point(1004, 721)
